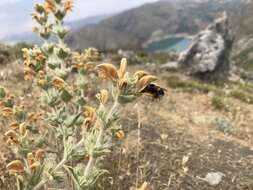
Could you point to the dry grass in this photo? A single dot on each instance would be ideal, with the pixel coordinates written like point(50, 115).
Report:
point(180, 125)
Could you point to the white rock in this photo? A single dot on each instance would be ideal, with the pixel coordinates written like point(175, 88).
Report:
point(214, 178)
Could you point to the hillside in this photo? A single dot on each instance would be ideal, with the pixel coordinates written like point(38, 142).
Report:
point(142, 23)
point(243, 49)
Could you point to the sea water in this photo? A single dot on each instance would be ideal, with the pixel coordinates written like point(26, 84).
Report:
point(174, 44)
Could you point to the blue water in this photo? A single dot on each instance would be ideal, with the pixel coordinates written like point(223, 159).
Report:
point(174, 44)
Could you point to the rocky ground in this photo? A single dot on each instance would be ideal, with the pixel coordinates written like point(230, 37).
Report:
point(176, 143)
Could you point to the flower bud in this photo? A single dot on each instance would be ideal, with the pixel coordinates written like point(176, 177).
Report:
point(120, 134)
point(103, 96)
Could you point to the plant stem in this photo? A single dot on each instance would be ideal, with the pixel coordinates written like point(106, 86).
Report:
point(91, 158)
point(40, 184)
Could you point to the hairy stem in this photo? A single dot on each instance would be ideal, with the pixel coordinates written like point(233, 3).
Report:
point(92, 160)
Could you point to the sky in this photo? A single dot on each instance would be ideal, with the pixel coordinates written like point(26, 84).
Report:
point(15, 14)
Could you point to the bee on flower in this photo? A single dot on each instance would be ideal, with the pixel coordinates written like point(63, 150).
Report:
point(140, 83)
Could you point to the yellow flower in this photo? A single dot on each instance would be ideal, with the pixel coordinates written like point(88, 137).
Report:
point(14, 125)
point(103, 96)
point(29, 73)
point(7, 112)
point(49, 6)
point(34, 117)
point(90, 116)
point(140, 74)
point(89, 66)
point(35, 165)
point(32, 162)
point(40, 56)
point(59, 83)
point(107, 71)
point(145, 81)
point(11, 137)
point(122, 83)
point(28, 77)
point(15, 167)
point(120, 134)
point(143, 186)
point(42, 81)
point(68, 6)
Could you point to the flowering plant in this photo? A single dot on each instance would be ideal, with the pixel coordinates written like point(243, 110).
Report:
point(63, 145)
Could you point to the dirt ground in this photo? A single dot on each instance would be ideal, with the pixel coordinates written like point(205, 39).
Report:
point(181, 138)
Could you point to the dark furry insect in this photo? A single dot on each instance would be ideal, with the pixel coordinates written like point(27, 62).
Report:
point(154, 90)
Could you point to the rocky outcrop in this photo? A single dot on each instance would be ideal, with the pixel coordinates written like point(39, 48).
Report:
point(209, 54)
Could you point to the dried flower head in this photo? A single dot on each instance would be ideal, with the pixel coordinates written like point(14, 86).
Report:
point(68, 6)
point(11, 137)
point(7, 112)
point(28, 73)
point(34, 117)
point(15, 167)
point(90, 116)
point(32, 162)
point(14, 125)
point(49, 6)
point(40, 56)
point(107, 71)
point(122, 83)
point(139, 74)
point(59, 83)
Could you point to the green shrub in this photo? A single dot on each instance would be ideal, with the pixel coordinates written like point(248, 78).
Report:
point(218, 102)
point(175, 81)
point(241, 95)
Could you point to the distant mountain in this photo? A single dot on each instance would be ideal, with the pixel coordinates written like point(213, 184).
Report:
point(131, 29)
point(31, 37)
point(243, 30)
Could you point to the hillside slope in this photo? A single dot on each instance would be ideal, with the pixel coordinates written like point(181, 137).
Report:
point(182, 138)
point(140, 24)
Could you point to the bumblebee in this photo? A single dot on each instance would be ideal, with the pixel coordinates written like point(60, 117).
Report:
point(154, 91)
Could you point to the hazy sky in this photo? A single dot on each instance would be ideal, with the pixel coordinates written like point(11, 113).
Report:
point(15, 14)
